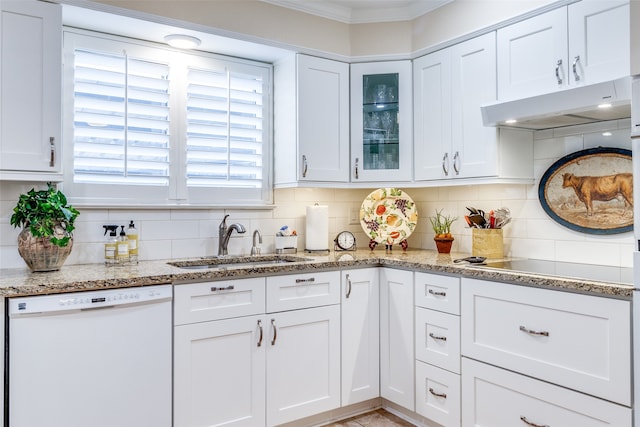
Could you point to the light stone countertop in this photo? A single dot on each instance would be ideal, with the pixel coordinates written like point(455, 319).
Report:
point(72, 278)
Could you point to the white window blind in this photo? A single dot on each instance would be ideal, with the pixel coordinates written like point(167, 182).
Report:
point(146, 124)
point(121, 119)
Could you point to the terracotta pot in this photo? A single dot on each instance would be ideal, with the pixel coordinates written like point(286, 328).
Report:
point(40, 254)
point(443, 244)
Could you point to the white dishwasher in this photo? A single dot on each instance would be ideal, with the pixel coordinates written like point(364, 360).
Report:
point(91, 359)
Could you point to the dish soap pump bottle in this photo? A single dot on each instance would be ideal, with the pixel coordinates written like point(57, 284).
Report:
point(132, 238)
point(110, 246)
point(122, 251)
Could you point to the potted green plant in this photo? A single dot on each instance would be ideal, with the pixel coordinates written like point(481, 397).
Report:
point(441, 225)
point(47, 222)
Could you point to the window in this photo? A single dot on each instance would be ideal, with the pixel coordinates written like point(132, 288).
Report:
point(145, 124)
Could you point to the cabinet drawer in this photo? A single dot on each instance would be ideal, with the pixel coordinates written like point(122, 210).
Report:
point(438, 339)
point(201, 302)
point(438, 394)
point(498, 398)
point(297, 291)
point(437, 292)
point(578, 341)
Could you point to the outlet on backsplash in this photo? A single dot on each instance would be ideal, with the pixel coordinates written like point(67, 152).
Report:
point(354, 216)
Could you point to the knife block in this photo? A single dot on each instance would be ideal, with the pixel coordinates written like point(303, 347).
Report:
point(487, 242)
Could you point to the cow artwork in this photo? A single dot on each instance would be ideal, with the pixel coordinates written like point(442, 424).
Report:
point(590, 191)
point(602, 188)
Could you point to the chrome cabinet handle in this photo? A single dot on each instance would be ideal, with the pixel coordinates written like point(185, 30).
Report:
point(576, 77)
point(456, 163)
point(275, 332)
point(261, 334)
point(304, 166)
point(309, 280)
point(532, 332)
point(348, 287)
point(437, 337)
point(529, 423)
point(356, 171)
point(436, 394)
point(52, 146)
point(227, 288)
point(445, 164)
point(437, 293)
point(558, 65)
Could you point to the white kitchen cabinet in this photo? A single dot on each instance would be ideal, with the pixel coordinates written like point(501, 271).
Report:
point(360, 335)
point(311, 120)
point(451, 141)
point(581, 342)
point(381, 121)
point(303, 363)
point(30, 90)
point(586, 42)
point(438, 394)
point(219, 373)
point(499, 398)
point(396, 337)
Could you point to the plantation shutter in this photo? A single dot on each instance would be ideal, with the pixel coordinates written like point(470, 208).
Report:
point(225, 135)
point(121, 119)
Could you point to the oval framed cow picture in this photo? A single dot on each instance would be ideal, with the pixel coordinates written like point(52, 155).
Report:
point(590, 191)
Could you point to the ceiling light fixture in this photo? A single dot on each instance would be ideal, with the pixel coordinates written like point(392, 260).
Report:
point(182, 41)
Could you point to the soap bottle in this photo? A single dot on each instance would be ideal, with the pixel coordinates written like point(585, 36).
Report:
point(132, 237)
point(122, 250)
point(110, 246)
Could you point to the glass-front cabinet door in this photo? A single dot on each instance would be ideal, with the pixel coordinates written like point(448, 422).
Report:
point(381, 127)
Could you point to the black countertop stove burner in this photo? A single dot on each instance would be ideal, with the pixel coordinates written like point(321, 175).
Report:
point(600, 273)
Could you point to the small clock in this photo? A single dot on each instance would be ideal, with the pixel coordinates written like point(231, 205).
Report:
point(345, 241)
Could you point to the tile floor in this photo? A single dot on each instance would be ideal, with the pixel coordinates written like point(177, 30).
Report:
point(377, 418)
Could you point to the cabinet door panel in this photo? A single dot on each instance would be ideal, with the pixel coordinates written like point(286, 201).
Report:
point(438, 394)
point(438, 339)
point(30, 94)
point(360, 335)
point(323, 119)
point(219, 373)
point(528, 54)
point(303, 363)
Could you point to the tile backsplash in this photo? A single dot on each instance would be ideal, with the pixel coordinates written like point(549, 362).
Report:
point(180, 233)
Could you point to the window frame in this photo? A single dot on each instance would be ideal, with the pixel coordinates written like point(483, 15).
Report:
point(177, 193)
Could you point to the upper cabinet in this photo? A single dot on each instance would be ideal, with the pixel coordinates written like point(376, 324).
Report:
point(586, 42)
point(311, 120)
point(30, 90)
point(381, 128)
point(450, 140)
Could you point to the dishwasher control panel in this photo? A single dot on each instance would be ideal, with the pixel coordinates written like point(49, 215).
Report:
point(88, 299)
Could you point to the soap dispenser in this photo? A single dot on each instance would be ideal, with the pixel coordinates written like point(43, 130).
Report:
point(132, 238)
point(110, 245)
point(122, 251)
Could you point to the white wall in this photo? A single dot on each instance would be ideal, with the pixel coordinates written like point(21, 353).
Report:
point(179, 233)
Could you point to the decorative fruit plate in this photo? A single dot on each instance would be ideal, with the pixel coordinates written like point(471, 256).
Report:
point(388, 215)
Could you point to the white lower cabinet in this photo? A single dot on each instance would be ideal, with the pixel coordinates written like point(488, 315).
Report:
point(438, 394)
point(396, 337)
point(498, 398)
point(360, 335)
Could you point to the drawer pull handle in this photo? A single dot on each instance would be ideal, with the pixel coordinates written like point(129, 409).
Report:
point(260, 329)
point(310, 280)
point(348, 287)
point(52, 147)
point(275, 331)
point(445, 164)
point(576, 76)
point(558, 65)
point(437, 337)
point(529, 423)
point(532, 332)
point(437, 293)
point(304, 166)
point(227, 288)
point(436, 394)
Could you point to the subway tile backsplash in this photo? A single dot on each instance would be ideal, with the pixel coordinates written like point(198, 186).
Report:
point(179, 233)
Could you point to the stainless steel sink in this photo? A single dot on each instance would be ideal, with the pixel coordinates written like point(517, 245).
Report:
point(236, 262)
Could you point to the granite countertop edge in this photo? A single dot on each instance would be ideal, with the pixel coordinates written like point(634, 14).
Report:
point(85, 277)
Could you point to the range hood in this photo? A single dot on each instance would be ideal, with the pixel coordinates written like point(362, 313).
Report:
point(575, 106)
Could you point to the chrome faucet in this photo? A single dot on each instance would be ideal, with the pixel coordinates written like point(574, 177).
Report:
point(224, 233)
point(255, 250)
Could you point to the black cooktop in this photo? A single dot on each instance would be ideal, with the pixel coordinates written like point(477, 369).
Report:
point(600, 273)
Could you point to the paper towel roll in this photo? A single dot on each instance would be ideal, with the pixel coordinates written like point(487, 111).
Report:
point(317, 238)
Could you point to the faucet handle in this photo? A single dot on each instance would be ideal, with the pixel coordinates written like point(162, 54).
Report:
point(223, 223)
